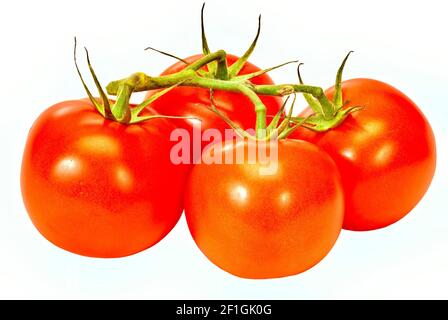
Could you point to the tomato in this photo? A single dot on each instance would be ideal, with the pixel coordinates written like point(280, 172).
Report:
point(259, 225)
point(195, 102)
point(99, 188)
point(386, 153)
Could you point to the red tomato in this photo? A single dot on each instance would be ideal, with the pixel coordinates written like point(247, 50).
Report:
point(258, 225)
point(195, 102)
point(99, 188)
point(386, 153)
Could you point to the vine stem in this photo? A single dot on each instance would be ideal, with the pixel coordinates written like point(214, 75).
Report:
point(328, 109)
point(189, 77)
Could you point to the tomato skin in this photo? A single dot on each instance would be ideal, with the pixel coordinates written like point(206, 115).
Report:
point(266, 226)
point(195, 102)
point(99, 188)
point(386, 154)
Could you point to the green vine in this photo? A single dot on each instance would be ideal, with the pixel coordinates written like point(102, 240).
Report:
point(219, 76)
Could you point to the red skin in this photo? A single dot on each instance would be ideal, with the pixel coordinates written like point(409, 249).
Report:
point(99, 188)
point(386, 153)
point(266, 226)
point(189, 101)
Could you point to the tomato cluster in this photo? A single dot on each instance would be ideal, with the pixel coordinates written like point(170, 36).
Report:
point(103, 185)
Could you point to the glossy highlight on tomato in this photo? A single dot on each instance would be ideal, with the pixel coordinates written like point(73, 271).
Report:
point(257, 225)
point(99, 188)
point(386, 153)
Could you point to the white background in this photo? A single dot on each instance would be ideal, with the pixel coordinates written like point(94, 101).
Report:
point(400, 42)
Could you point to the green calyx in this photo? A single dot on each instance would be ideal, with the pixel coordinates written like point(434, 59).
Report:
point(218, 69)
point(275, 130)
point(119, 110)
point(218, 75)
point(327, 114)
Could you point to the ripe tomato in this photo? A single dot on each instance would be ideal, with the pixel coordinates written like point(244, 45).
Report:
point(258, 225)
point(99, 188)
point(195, 102)
point(386, 153)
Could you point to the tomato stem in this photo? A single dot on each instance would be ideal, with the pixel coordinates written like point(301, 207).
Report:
point(239, 131)
point(337, 99)
point(189, 77)
point(205, 60)
point(313, 103)
point(274, 122)
point(236, 67)
point(205, 48)
point(217, 67)
point(219, 76)
point(121, 109)
point(249, 76)
point(222, 71)
point(319, 124)
point(287, 89)
point(166, 54)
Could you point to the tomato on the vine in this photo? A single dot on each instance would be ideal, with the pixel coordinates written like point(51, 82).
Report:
point(195, 102)
point(386, 153)
point(265, 224)
point(97, 187)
